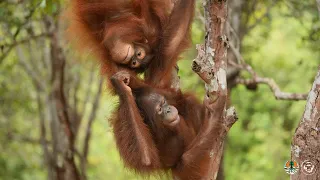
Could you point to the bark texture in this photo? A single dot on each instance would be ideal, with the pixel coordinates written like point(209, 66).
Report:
point(211, 66)
point(306, 140)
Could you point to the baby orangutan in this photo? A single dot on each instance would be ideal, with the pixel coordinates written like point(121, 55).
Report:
point(161, 129)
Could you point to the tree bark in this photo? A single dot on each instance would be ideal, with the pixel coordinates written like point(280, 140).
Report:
point(306, 141)
point(211, 66)
point(69, 170)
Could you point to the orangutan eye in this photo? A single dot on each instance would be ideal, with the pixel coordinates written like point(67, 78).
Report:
point(134, 63)
point(140, 53)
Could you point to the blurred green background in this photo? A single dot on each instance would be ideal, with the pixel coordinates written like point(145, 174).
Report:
point(280, 39)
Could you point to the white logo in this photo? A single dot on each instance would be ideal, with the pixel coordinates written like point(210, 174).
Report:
point(308, 167)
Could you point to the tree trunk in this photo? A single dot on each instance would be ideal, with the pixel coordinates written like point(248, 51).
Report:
point(211, 66)
point(232, 31)
point(305, 148)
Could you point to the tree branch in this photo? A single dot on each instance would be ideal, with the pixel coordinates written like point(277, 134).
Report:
point(77, 82)
point(25, 40)
point(278, 94)
point(88, 90)
point(29, 70)
point(25, 139)
point(211, 66)
point(58, 63)
point(15, 43)
point(47, 154)
point(92, 116)
point(16, 33)
point(255, 80)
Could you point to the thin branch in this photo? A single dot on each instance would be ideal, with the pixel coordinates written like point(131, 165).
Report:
point(16, 33)
point(29, 70)
point(24, 139)
point(235, 35)
point(92, 116)
point(16, 43)
point(41, 44)
point(255, 80)
point(279, 95)
point(29, 38)
point(27, 18)
point(238, 56)
point(77, 153)
point(53, 126)
point(48, 158)
point(88, 91)
point(77, 82)
point(5, 54)
point(34, 61)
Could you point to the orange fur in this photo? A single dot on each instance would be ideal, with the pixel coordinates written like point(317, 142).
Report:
point(93, 23)
point(183, 149)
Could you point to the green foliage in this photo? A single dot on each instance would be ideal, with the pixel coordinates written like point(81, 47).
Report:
point(259, 143)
